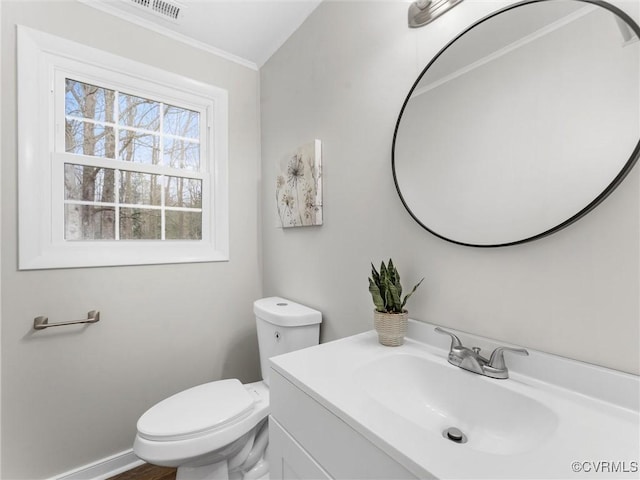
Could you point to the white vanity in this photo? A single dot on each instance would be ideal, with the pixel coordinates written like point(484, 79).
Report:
point(358, 410)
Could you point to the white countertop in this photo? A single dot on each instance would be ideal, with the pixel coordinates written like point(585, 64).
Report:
point(596, 420)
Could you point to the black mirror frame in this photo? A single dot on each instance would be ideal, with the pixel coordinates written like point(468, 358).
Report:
point(604, 194)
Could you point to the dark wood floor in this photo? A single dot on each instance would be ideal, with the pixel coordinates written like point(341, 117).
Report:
point(147, 472)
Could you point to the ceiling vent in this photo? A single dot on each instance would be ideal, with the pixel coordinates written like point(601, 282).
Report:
point(160, 8)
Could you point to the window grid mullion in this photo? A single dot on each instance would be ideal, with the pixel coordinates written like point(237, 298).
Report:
point(163, 219)
point(116, 133)
point(141, 206)
point(116, 190)
point(132, 129)
point(163, 178)
point(102, 162)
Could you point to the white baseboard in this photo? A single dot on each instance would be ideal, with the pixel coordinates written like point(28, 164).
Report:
point(103, 469)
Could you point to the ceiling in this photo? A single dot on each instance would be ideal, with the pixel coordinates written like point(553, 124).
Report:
point(246, 31)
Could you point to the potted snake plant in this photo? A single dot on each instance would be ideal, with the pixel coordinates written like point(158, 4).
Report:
point(389, 317)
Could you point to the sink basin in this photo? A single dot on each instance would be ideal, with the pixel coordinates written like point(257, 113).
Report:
point(436, 396)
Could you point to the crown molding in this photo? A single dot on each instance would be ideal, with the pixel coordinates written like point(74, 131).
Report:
point(149, 25)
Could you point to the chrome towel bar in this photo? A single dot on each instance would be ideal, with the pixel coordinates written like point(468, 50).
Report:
point(40, 323)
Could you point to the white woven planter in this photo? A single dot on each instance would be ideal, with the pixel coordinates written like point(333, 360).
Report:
point(391, 327)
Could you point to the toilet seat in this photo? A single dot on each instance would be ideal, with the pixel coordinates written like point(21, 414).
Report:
point(180, 445)
point(196, 411)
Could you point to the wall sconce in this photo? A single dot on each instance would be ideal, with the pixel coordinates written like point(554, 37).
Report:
point(422, 12)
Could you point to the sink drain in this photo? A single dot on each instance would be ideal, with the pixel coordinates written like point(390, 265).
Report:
point(455, 435)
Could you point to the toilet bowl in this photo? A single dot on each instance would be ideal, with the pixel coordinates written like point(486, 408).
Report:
point(218, 430)
point(207, 427)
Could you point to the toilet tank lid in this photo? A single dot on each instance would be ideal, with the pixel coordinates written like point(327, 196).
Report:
point(285, 313)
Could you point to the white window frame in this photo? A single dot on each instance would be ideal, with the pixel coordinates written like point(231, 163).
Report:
point(44, 61)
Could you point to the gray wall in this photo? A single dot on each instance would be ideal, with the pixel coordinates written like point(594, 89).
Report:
point(342, 78)
point(73, 396)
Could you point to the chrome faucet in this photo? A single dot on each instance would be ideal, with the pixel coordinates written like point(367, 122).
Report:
point(470, 358)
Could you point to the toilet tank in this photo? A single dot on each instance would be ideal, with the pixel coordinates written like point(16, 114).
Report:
point(284, 326)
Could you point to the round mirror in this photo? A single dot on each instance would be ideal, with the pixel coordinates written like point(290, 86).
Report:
point(522, 124)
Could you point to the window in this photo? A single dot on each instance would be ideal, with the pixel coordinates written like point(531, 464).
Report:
point(156, 194)
point(120, 163)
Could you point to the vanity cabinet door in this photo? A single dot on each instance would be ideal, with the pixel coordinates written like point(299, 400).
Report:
point(288, 460)
point(327, 440)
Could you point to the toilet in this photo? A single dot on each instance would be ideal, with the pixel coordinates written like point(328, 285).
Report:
point(218, 430)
